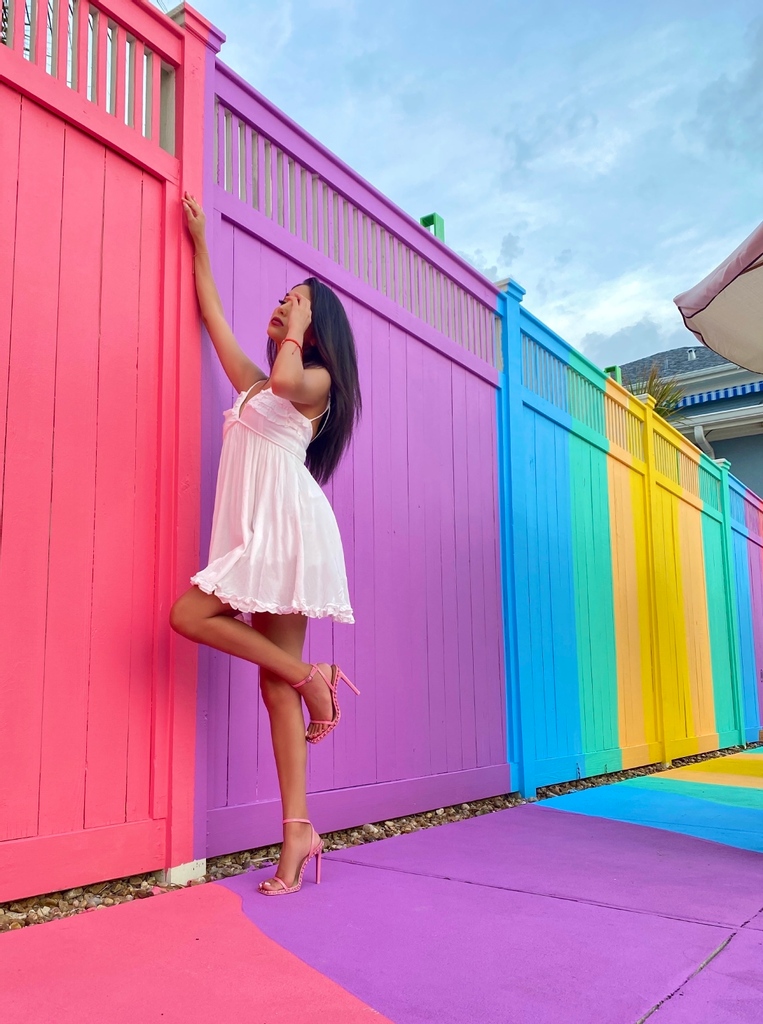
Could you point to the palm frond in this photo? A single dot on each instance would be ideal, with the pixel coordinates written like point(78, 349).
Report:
point(666, 391)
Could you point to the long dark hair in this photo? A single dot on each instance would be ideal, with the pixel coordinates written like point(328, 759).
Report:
point(333, 347)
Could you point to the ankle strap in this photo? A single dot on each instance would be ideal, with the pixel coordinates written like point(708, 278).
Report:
point(306, 820)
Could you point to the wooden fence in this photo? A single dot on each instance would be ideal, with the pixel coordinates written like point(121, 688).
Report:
point(548, 581)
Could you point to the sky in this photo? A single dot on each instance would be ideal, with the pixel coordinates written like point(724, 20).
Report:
point(605, 155)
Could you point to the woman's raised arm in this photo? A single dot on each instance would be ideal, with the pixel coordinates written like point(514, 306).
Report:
point(238, 367)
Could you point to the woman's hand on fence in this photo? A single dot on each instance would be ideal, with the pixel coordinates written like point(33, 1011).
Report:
point(195, 219)
point(299, 317)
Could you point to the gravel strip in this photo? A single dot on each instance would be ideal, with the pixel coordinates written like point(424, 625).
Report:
point(84, 899)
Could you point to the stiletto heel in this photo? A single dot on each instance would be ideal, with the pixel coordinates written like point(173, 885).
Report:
point(336, 675)
point(352, 686)
point(316, 849)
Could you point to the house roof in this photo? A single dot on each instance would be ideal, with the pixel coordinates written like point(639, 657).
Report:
point(673, 362)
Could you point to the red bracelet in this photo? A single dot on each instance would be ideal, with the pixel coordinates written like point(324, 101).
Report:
point(284, 340)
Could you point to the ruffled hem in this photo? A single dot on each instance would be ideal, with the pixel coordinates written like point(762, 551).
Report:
point(243, 604)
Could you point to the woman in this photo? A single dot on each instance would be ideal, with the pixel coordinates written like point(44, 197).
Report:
point(275, 550)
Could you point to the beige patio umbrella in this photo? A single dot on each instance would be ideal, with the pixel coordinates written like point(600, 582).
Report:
point(725, 310)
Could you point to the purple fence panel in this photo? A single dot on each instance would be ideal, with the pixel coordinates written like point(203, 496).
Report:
point(416, 496)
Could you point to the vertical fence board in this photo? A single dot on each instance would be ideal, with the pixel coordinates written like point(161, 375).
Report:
point(495, 668)
point(390, 663)
point(27, 464)
point(696, 619)
point(365, 597)
point(108, 702)
point(721, 695)
point(466, 659)
point(479, 504)
point(755, 553)
point(10, 118)
point(419, 481)
point(243, 711)
point(347, 740)
point(64, 725)
point(438, 432)
point(218, 667)
point(143, 697)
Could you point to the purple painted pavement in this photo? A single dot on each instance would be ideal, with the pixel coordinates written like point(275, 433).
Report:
point(418, 948)
point(728, 991)
point(540, 850)
point(757, 922)
point(526, 914)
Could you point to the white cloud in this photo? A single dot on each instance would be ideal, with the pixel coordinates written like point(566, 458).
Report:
point(256, 46)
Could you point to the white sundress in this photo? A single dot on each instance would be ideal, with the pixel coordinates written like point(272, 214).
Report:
point(275, 544)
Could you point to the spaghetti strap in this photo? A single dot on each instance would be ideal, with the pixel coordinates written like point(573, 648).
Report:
point(313, 418)
point(325, 421)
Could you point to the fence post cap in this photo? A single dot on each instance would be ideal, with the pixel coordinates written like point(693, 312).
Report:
point(514, 290)
point(189, 18)
point(650, 401)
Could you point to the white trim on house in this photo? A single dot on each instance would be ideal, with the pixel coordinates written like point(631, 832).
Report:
point(725, 423)
point(714, 378)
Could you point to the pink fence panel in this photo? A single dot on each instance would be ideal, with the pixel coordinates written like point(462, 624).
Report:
point(92, 451)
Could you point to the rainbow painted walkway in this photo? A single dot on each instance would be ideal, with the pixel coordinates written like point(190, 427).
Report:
point(720, 800)
point(532, 915)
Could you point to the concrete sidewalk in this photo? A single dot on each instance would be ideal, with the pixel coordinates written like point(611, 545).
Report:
point(527, 916)
point(534, 916)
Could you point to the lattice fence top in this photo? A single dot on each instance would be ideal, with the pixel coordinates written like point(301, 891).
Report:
point(123, 63)
point(260, 172)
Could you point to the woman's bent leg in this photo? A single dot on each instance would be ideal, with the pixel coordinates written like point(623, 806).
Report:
point(206, 619)
point(275, 643)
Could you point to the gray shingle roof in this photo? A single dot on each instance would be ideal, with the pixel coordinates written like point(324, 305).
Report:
point(673, 362)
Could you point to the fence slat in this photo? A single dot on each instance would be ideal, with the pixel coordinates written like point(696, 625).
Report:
point(231, 145)
point(38, 32)
point(17, 27)
point(99, 59)
point(119, 64)
point(137, 85)
point(61, 39)
point(156, 97)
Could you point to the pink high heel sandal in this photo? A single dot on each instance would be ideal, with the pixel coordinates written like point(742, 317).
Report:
point(336, 675)
point(316, 850)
